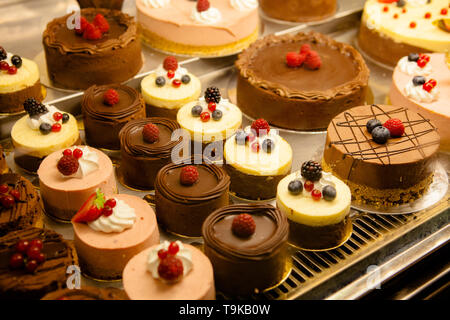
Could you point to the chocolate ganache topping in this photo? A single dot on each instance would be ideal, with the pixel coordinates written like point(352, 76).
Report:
point(212, 182)
point(132, 140)
point(130, 102)
point(342, 72)
point(123, 30)
point(271, 231)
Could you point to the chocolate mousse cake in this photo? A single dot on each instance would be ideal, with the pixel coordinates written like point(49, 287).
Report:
point(20, 204)
point(105, 48)
point(87, 293)
point(146, 147)
point(34, 262)
point(383, 153)
point(187, 192)
point(300, 81)
point(298, 10)
point(106, 109)
point(108, 4)
point(247, 246)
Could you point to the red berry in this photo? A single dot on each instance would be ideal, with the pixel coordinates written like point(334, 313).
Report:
point(41, 258)
point(67, 152)
point(22, 246)
point(404, 10)
point(77, 153)
point(395, 127)
point(205, 116)
point(101, 23)
point(110, 203)
point(68, 165)
point(313, 60)
point(173, 248)
point(188, 175)
point(432, 82)
point(16, 261)
point(7, 201)
point(32, 265)
point(162, 254)
point(37, 243)
point(202, 5)
point(176, 83)
point(212, 106)
point(12, 70)
point(308, 185)
point(111, 97)
point(3, 188)
point(260, 127)
point(250, 137)
point(294, 59)
point(421, 63)
point(444, 11)
point(385, 9)
point(16, 194)
point(170, 268)
point(57, 116)
point(424, 57)
point(412, 25)
point(150, 133)
point(170, 63)
point(170, 74)
point(33, 252)
point(305, 48)
point(92, 32)
point(4, 65)
point(56, 127)
point(396, 16)
point(427, 87)
point(316, 194)
point(107, 211)
point(243, 225)
point(83, 24)
point(255, 147)
point(427, 15)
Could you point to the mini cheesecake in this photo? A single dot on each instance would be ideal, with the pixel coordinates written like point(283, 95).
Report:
point(67, 181)
point(123, 226)
point(19, 80)
point(247, 246)
point(106, 109)
point(257, 158)
point(168, 88)
point(317, 205)
point(169, 271)
point(186, 193)
point(87, 293)
point(44, 130)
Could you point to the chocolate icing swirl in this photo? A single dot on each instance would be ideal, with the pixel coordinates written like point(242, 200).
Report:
point(258, 252)
point(246, 69)
point(123, 30)
point(138, 148)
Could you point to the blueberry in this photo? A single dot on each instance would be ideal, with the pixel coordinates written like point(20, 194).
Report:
point(413, 57)
point(196, 110)
point(65, 117)
point(268, 145)
point(45, 128)
point(185, 79)
point(295, 187)
point(419, 80)
point(329, 193)
point(217, 115)
point(3, 54)
point(401, 3)
point(372, 124)
point(16, 61)
point(240, 137)
point(160, 81)
point(380, 135)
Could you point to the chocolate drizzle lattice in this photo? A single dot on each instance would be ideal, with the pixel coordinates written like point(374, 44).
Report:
point(417, 137)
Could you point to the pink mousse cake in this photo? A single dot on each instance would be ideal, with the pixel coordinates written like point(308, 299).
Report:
point(84, 169)
point(174, 271)
point(413, 87)
point(123, 226)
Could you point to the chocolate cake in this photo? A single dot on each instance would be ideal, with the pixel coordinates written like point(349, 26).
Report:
point(87, 293)
point(245, 264)
point(109, 4)
point(182, 208)
point(25, 210)
point(141, 160)
point(300, 97)
point(390, 172)
point(74, 62)
point(298, 10)
point(102, 121)
point(50, 275)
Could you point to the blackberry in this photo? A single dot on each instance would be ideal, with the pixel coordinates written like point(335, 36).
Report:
point(212, 94)
point(311, 170)
point(33, 107)
point(3, 54)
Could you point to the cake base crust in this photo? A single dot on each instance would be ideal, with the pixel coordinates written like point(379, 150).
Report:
point(13, 101)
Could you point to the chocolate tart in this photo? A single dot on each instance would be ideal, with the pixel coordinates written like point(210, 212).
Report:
point(393, 173)
point(298, 10)
point(182, 209)
point(299, 98)
point(49, 276)
point(26, 212)
point(102, 122)
point(87, 293)
point(141, 160)
point(76, 63)
point(108, 4)
point(243, 266)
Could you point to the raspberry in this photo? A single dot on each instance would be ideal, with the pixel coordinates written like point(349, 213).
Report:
point(83, 23)
point(395, 127)
point(313, 60)
point(101, 23)
point(202, 5)
point(68, 165)
point(188, 175)
point(260, 127)
point(170, 63)
point(294, 59)
point(111, 97)
point(243, 225)
point(170, 268)
point(92, 32)
point(305, 48)
point(150, 133)
point(173, 248)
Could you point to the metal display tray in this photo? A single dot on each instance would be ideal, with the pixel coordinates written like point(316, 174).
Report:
point(380, 245)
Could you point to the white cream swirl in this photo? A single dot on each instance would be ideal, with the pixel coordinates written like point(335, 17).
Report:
point(156, 3)
point(319, 185)
point(123, 217)
point(244, 5)
point(411, 68)
point(210, 16)
point(88, 163)
point(419, 94)
point(184, 254)
point(179, 73)
point(223, 105)
point(35, 122)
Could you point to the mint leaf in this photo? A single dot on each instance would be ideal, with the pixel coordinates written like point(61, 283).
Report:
point(99, 201)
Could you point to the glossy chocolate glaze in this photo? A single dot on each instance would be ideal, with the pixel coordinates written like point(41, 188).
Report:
point(298, 10)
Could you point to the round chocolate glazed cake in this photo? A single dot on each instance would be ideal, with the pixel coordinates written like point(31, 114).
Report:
point(74, 62)
point(298, 10)
point(246, 265)
point(300, 97)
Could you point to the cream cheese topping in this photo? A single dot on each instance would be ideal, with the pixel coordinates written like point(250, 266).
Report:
point(244, 5)
point(419, 94)
point(123, 217)
point(27, 75)
point(411, 68)
point(34, 122)
point(184, 254)
point(88, 163)
point(210, 16)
